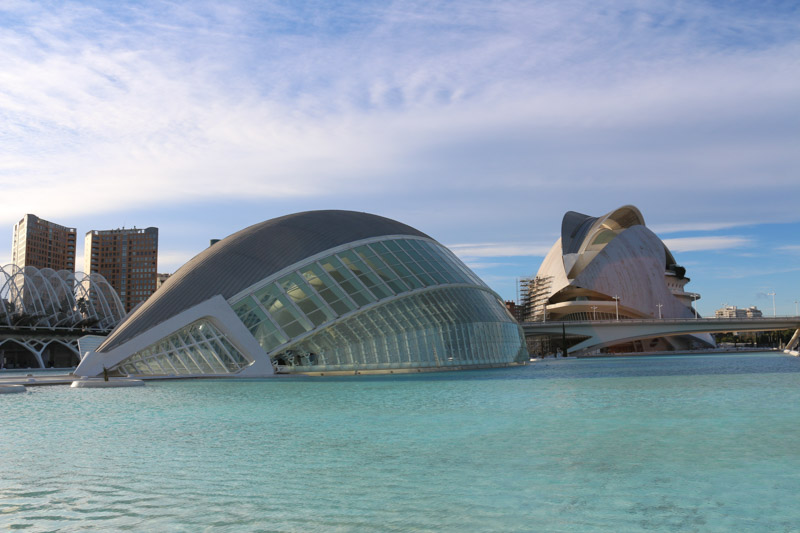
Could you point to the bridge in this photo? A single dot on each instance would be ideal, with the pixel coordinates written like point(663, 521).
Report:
point(42, 347)
point(603, 333)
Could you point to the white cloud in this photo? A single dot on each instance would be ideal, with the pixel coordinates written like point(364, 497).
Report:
point(498, 249)
point(695, 244)
point(490, 118)
point(191, 104)
point(790, 248)
point(761, 272)
point(482, 265)
point(697, 226)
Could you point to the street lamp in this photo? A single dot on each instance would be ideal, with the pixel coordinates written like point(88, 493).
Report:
point(773, 302)
point(594, 312)
point(616, 305)
point(659, 310)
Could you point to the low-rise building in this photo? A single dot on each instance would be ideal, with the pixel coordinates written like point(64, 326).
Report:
point(160, 279)
point(731, 311)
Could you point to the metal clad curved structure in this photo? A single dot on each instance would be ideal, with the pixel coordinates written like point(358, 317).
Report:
point(248, 256)
point(609, 266)
point(320, 291)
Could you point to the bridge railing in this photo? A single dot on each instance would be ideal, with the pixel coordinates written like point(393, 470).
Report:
point(712, 320)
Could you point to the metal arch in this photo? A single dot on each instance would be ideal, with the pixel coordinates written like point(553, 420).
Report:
point(6, 316)
point(30, 294)
point(48, 298)
point(83, 287)
point(113, 310)
point(118, 311)
point(71, 345)
point(16, 297)
point(32, 349)
point(98, 300)
point(47, 295)
point(69, 280)
point(64, 298)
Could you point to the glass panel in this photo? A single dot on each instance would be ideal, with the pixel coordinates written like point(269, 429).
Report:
point(385, 273)
point(456, 263)
point(243, 307)
point(193, 361)
point(176, 363)
point(370, 280)
point(294, 329)
point(347, 281)
point(279, 308)
point(237, 357)
point(415, 268)
point(327, 289)
point(441, 265)
point(213, 358)
point(153, 363)
point(253, 318)
point(422, 261)
point(268, 336)
point(394, 263)
point(306, 300)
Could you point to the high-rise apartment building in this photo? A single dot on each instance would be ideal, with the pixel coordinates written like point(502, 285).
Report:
point(43, 244)
point(127, 258)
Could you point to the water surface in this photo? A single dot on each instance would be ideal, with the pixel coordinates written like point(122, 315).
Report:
point(681, 443)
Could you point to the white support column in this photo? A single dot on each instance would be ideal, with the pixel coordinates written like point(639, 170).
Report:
point(37, 352)
point(793, 341)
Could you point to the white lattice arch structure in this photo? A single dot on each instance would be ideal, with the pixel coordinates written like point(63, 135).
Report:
point(34, 298)
point(44, 312)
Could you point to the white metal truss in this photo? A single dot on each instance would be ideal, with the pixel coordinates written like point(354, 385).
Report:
point(32, 298)
point(38, 344)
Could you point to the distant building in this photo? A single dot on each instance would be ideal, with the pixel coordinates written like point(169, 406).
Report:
point(160, 279)
point(731, 311)
point(127, 258)
point(43, 244)
point(607, 268)
point(514, 309)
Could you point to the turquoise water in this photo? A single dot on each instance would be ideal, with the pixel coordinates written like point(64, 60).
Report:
point(682, 443)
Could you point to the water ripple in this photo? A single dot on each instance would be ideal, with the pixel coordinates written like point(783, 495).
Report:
point(649, 444)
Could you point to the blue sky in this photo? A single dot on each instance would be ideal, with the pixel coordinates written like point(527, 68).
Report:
point(480, 123)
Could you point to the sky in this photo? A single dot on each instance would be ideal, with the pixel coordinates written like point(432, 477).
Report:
point(479, 123)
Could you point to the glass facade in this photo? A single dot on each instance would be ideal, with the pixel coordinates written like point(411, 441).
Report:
point(198, 348)
point(395, 303)
point(459, 326)
point(382, 304)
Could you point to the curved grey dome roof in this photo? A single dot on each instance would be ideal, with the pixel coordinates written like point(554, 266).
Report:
point(248, 256)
